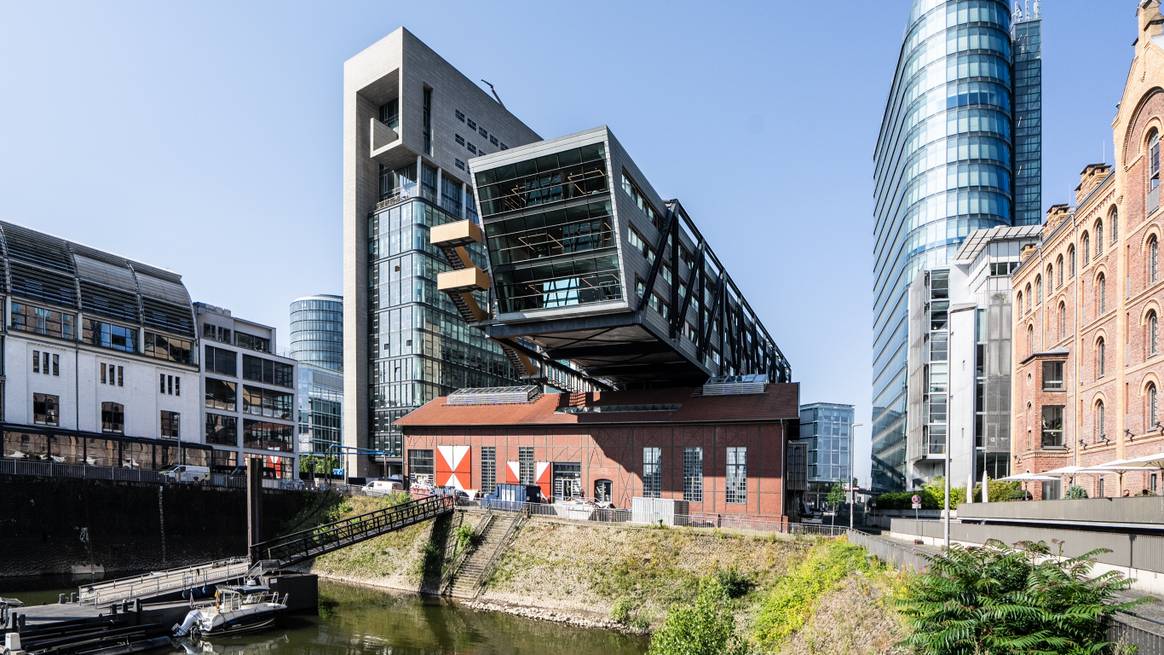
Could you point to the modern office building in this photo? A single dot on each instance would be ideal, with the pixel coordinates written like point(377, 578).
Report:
point(827, 431)
point(317, 331)
point(320, 396)
point(959, 150)
point(411, 122)
point(248, 394)
point(591, 266)
point(99, 359)
point(959, 360)
point(1089, 363)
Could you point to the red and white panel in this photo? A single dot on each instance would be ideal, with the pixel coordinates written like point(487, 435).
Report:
point(512, 471)
point(453, 467)
point(542, 478)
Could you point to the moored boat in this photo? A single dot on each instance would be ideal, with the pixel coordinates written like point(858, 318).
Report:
point(235, 608)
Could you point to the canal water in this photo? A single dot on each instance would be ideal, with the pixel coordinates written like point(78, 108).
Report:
point(355, 620)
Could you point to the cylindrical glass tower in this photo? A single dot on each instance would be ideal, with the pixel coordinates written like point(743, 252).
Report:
point(317, 331)
point(943, 167)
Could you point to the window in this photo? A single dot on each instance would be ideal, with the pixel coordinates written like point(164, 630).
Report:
point(252, 342)
point(1100, 432)
point(171, 385)
point(1114, 219)
point(1151, 406)
point(1100, 295)
point(219, 360)
point(257, 369)
point(221, 430)
point(1030, 297)
point(525, 465)
point(1071, 261)
point(737, 475)
point(503, 146)
point(36, 361)
point(264, 435)
point(488, 469)
point(50, 323)
point(112, 374)
point(1100, 358)
point(427, 120)
point(267, 402)
point(1052, 376)
point(171, 425)
point(459, 139)
point(112, 417)
point(493, 140)
point(1030, 340)
point(390, 113)
point(46, 409)
point(459, 164)
point(644, 205)
point(471, 123)
point(652, 472)
point(1062, 321)
point(109, 335)
point(1153, 260)
point(1039, 289)
point(215, 332)
point(460, 115)
point(171, 349)
point(693, 474)
point(221, 394)
point(1098, 238)
point(1059, 267)
point(1153, 162)
point(1019, 301)
point(1050, 279)
point(46, 363)
point(472, 148)
point(1085, 244)
point(1052, 435)
point(1153, 333)
point(1100, 493)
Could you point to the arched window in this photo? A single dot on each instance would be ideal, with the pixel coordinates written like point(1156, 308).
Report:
point(1099, 420)
point(1059, 265)
point(1100, 358)
point(1029, 296)
point(1062, 320)
point(1153, 161)
point(1098, 238)
point(1050, 279)
point(1019, 300)
point(1114, 219)
point(1100, 295)
point(112, 417)
point(1071, 262)
point(1085, 244)
point(1153, 260)
point(1151, 333)
point(1039, 289)
point(1030, 340)
point(1150, 406)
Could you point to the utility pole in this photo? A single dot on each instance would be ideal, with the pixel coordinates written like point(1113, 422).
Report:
point(852, 473)
point(946, 503)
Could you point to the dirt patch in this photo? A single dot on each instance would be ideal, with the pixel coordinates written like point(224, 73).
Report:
point(856, 618)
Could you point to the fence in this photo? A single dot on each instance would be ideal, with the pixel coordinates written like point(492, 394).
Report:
point(125, 474)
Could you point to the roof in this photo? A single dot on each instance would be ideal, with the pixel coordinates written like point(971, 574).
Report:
point(777, 402)
point(977, 240)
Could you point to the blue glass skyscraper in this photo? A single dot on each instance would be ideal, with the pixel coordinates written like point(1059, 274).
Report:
point(959, 149)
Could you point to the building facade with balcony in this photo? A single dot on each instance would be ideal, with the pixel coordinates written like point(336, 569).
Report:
point(99, 357)
point(249, 405)
point(959, 150)
point(411, 122)
point(1088, 365)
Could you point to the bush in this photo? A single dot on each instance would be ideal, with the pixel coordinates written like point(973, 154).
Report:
point(705, 627)
point(998, 599)
point(1075, 492)
point(734, 583)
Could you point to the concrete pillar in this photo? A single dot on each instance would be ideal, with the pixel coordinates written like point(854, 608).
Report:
point(254, 500)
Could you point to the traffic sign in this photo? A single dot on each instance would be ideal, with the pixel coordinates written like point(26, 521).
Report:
point(916, 500)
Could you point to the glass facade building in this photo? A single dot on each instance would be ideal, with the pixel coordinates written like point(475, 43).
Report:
point(946, 163)
point(826, 428)
point(317, 331)
point(321, 401)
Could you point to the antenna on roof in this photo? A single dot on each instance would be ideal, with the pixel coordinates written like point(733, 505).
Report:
point(494, 92)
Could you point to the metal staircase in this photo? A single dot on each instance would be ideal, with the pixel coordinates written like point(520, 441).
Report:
point(292, 549)
point(479, 565)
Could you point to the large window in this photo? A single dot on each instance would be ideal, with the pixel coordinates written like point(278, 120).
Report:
point(525, 465)
point(38, 320)
point(1153, 260)
point(171, 349)
point(264, 435)
point(1100, 295)
point(420, 466)
point(488, 469)
point(219, 360)
point(252, 342)
point(1053, 376)
point(426, 120)
point(1100, 358)
point(258, 369)
point(652, 472)
point(693, 474)
point(576, 173)
point(1052, 431)
point(1085, 245)
point(1100, 424)
point(221, 394)
point(221, 430)
point(1153, 163)
point(171, 425)
point(267, 402)
point(736, 485)
point(1151, 407)
point(109, 335)
point(569, 230)
point(46, 409)
point(112, 417)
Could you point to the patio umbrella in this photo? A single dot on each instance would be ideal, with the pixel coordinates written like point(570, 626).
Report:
point(1029, 477)
point(1068, 471)
point(1155, 460)
point(1119, 467)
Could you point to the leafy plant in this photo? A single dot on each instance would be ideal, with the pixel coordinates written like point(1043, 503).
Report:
point(705, 627)
point(1075, 492)
point(1019, 601)
point(836, 495)
point(734, 583)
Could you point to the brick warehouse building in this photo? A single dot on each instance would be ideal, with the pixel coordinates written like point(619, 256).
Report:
point(723, 454)
point(1087, 356)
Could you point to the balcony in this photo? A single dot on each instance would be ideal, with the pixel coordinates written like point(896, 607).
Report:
point(464, 279)
point(457, 233)
point(383, 140)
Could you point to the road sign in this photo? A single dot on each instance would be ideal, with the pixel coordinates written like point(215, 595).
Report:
point(916, 500)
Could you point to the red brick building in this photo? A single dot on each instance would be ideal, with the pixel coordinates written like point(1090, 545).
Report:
point(723, 454)
point(1088, 357)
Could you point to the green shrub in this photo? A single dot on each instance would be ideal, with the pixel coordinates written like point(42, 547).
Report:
point(734, 583)
point(623, 610)
point(705, 627)
point(1075, 492)
point(1022, 601)
point(791, 602)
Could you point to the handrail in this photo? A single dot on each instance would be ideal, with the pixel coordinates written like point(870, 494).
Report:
point(451, 576)
point(495, 557)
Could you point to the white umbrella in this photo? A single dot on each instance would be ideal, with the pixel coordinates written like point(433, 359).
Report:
point(1119, 467)
point(1028, 477)
point(1155, 460)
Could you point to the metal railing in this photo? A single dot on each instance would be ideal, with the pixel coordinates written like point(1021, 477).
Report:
point(158, 583)
point(41, 469)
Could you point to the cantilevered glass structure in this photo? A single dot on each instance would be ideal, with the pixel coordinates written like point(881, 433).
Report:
point(945, 165)
point(589, 265)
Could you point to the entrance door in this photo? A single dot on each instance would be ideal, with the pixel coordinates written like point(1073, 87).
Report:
point(603, 489)
point(567, 480)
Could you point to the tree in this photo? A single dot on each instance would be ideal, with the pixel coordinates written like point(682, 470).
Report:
point(995, 599)
point(835, 497)
point(705, 627)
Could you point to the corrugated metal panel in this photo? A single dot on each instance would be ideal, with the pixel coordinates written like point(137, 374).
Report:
point(168, 317)
point(164, 289)
point(99, 300)
point(43, 285)
point(105, 272)
point(36, 248)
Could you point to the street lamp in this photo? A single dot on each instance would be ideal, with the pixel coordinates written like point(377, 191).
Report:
point(852, 486)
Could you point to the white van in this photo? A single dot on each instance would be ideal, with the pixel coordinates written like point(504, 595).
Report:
point(186, 473)
point(383, 487)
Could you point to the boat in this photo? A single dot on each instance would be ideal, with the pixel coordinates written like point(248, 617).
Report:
point(235, 608)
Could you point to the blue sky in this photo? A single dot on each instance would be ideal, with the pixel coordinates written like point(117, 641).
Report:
point(205, 137)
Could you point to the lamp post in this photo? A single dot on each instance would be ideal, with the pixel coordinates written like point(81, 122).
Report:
point(852, 486)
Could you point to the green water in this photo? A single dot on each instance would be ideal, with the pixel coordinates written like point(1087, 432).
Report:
point(354, 620)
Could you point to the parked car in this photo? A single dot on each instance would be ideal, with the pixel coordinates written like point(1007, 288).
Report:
point(186, 473)
point(383, 487)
